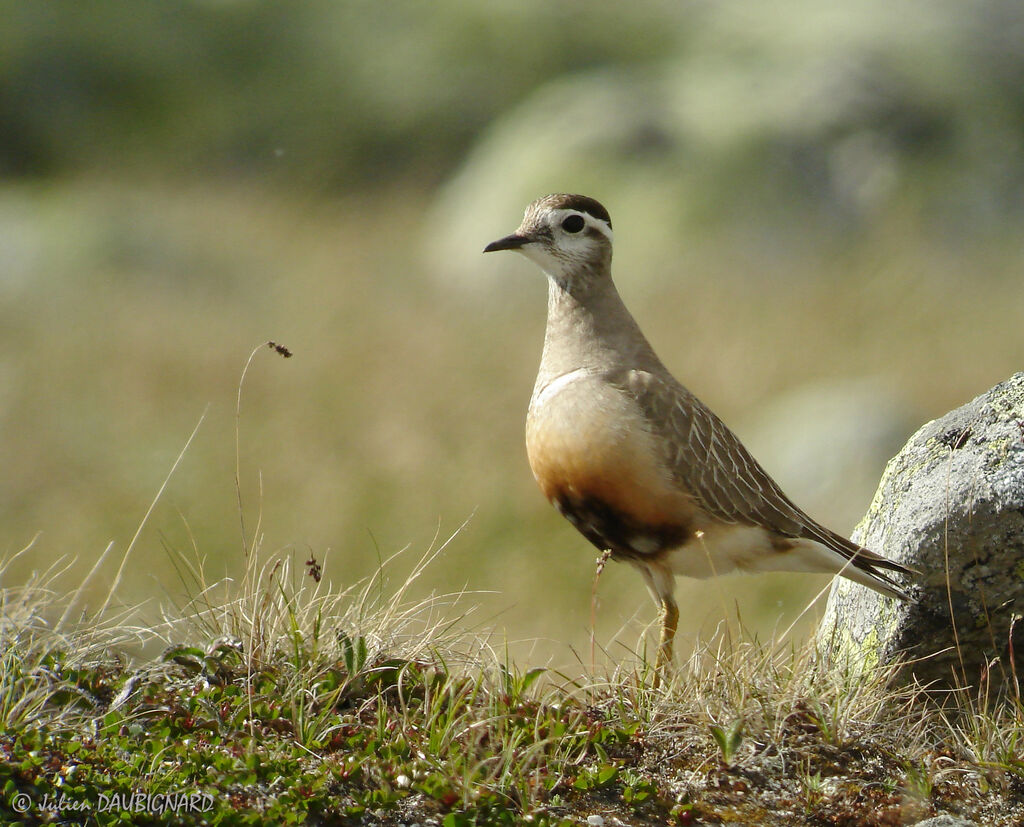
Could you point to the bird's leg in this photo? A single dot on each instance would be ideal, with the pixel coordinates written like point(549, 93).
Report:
point(669, 622)
point(661, 585)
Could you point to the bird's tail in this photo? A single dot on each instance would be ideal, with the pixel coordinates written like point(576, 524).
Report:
point(873, 579)
point(859, 564)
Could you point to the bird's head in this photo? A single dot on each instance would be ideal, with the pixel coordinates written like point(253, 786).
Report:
point(568, 236)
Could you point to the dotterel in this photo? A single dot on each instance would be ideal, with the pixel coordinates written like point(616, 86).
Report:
point(638, 464)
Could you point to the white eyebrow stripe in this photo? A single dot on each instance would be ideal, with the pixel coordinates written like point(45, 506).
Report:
point(592, 221)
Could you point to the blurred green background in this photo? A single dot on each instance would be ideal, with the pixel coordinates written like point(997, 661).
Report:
point(817, 212)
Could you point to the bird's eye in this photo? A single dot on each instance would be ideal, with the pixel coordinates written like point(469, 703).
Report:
point(573, 224)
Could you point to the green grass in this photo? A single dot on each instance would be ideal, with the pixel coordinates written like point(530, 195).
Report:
point(278, 700)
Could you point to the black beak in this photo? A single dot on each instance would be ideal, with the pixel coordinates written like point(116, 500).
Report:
point(509, 242)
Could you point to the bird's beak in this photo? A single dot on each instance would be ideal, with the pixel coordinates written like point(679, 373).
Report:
point(509, 242)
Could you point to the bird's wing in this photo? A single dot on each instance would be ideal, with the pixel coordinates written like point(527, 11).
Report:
point(707, 459)
point(713, 466)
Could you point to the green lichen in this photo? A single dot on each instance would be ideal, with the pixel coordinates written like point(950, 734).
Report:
point(850, 654)
point(997, 450)
point(869, 649)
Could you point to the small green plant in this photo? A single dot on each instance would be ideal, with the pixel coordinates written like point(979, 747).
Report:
point(594, 778)
point(636, 787)
point(728, 739)
point(353, 652)
point(812, 787)
point(516, 684)
point(917, 781)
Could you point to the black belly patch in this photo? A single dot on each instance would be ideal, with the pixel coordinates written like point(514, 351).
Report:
point(612, 530)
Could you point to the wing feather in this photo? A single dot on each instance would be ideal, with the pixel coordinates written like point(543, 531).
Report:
point(715, 468)
point(707, 459)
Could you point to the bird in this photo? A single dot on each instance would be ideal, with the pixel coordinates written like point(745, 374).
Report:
point(636, 462)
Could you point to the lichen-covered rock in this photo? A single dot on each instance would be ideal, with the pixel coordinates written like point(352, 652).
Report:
point(950, 504)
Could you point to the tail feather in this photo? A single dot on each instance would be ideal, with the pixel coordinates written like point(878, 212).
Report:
point(862, 564)
point(866, 576)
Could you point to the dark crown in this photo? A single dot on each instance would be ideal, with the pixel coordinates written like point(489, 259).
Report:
point(580, 203)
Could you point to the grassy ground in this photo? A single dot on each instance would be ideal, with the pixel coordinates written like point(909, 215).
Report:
point(278, 700)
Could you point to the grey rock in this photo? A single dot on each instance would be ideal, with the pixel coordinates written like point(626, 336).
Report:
point(945, 820)
point(951, 505)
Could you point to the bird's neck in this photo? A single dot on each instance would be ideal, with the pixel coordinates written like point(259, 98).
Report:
point(589, 328)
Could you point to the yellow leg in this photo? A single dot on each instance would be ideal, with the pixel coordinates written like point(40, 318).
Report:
point(669, 623)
